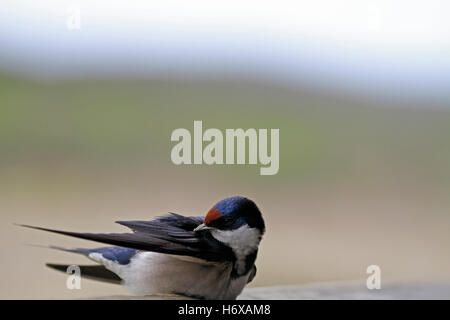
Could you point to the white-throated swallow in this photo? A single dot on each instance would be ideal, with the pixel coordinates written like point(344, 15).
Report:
point(211, 257)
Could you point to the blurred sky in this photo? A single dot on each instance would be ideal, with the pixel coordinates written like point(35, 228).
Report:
point(399, 48)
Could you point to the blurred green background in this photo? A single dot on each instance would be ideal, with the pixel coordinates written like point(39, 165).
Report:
point(363, 180)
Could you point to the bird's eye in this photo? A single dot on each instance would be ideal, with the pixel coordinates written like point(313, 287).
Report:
point(222, 223)
point(228, 219)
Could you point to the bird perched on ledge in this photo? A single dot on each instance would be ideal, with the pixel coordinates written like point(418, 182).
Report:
point(211, 257)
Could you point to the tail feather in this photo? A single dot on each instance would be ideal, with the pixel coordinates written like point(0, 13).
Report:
point(94, 272)
point(82, 251)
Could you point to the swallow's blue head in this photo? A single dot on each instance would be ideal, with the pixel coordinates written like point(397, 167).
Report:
point(237, 223)
point(233, 213)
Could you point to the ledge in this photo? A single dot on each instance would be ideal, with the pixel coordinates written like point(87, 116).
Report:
point(325, 291)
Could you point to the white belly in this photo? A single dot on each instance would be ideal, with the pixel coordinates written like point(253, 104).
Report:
point(152, 273)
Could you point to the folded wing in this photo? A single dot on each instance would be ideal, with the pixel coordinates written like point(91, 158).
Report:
point(170, 234)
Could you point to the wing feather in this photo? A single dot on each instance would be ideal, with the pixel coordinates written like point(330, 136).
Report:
point(171, 234)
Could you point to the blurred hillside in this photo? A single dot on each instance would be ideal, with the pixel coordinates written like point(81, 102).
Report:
point(324, 135)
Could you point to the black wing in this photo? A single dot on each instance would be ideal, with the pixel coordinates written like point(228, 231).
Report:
point(170, 234)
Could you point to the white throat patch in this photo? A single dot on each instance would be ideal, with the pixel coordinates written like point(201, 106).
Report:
point(242, 241)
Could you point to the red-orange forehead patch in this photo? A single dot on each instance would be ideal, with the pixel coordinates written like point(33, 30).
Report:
point(212, 215)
